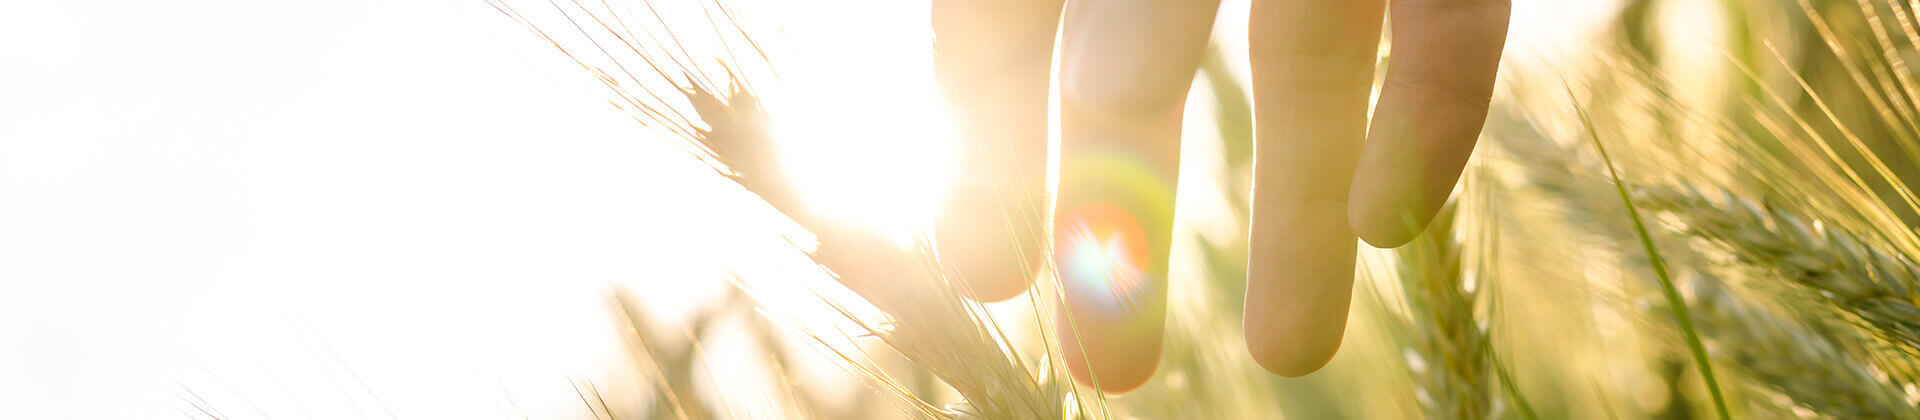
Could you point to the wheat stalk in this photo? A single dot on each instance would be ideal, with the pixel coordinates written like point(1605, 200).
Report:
point(1448, 356)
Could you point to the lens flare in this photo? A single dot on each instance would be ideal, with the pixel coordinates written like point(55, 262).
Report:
point(1104, 258)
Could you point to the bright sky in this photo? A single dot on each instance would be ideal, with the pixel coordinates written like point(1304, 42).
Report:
point(327, 207)
point(246, 197)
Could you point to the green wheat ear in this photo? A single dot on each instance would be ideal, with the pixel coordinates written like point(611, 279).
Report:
point(1448, 354)
point(1792, 360)
point(1851, 274)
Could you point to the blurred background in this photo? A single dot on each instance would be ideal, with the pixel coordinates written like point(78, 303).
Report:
point(419, 209)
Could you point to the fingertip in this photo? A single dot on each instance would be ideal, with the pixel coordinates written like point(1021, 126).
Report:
point(1001, 276)
point(984, 284)
point(1292, 351)
point(1114, 376)
point(1383, 222)
point(1385, 237)
point(991, 250)
point(1115, 354)
point(1388, 240)
point(1293, 364)
point(1296, 314)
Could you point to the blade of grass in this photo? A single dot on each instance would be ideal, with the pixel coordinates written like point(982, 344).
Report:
point(1513, 389)
point(1680, 315)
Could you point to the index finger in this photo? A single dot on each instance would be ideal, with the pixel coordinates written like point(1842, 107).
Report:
point(1439, 81)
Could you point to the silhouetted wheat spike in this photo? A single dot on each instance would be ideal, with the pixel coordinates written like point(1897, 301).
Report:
point(722, 123)
point(932, 324)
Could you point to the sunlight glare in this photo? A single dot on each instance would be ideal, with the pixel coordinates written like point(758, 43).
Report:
point(1105, 257)
point(862, 128)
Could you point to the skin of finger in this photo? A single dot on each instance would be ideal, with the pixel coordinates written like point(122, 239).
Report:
point(1126, 67)
point(1313, 66)
point(1446, 54)
point(993, 59)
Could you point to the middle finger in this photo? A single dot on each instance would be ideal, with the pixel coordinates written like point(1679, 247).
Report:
point(1125, 69)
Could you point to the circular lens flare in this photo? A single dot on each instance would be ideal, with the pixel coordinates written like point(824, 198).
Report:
point(1103, 258)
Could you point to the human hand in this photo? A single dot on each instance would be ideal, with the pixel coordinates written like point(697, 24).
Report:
point(1125, 69)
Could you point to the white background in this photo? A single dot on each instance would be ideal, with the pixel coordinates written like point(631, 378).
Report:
point(266, 198)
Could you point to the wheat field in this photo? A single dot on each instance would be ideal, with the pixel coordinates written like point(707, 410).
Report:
point(1704, 213)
